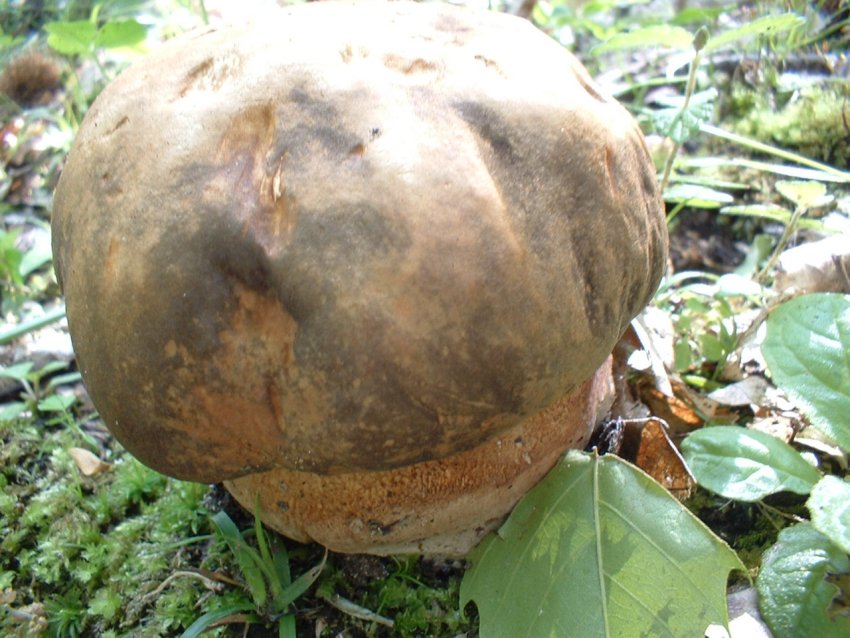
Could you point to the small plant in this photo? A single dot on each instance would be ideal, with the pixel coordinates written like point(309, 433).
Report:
point(35, 397)
point(804, 576)
point(267, 577)
point(702, 307)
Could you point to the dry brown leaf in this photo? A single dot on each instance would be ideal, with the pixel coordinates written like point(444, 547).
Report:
point(88, 463)
point(678, 414)
point(819, 266)
point(780, 426)
point(659, 457)
point(749, 391)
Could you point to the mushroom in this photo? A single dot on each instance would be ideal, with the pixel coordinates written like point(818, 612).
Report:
point(364, 262)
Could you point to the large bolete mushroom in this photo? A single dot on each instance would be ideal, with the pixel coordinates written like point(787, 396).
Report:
point(366, 261)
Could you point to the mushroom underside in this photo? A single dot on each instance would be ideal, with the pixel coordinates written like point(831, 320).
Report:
point(442, 507)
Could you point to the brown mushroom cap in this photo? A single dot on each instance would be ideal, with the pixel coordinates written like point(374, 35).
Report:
point(356, 238)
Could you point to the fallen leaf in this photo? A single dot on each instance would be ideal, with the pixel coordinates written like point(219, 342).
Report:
point(659, 457)
point(778, 425)
point(654, 330)
point(88, 463)
point(749, 391)
point(687, 410)
point(680, 416)
point(819, 266)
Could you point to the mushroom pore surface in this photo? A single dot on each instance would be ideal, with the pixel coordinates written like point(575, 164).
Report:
point(351, 239)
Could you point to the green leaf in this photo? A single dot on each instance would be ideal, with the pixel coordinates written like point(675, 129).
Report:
point(660, 35)
point(19, 371)
point(598, 548)
point(830, 508)
point(8, 41)
point(795, 596)
point(123, 33)
point(806, 348)
point(71, 38)
point(11, 411)
point(281, 565)
point(767, 26)
point(270, 566)
point(746, 465)
point(57, 403)
point(804, 194)
point(10, 256)
point(35, 258)
point(680, 121)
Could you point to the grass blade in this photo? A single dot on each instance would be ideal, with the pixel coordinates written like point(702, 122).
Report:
point(10, 334)
point(302, 583)
point(286, 627)
point(211, 617)
point(247, 558)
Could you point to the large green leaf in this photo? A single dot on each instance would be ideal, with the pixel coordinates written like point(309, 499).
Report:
point(830, 508)
point(746, 465)
point(796, 596)
point(599, 549)
point(71, 38)
point(806, 348)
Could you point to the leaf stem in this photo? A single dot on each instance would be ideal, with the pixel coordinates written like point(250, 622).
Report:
point(790, 229)
point(699, 43)
point(755, 145)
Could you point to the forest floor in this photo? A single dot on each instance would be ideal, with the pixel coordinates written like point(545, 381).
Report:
point(92, 543)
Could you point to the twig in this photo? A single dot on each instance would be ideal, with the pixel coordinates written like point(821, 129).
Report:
point(209, 583)
point(700, 39)
point(354, 610)
point(790, 229)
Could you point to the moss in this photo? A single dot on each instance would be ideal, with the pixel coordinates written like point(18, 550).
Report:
point(815, 121)
point(84, 549)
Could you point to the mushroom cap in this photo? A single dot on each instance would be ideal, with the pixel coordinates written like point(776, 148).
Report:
point(355, 238)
